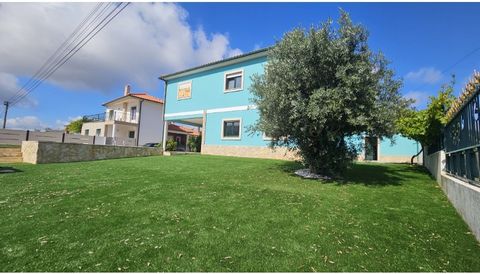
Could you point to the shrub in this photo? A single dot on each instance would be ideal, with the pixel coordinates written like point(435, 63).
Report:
point(171, 145)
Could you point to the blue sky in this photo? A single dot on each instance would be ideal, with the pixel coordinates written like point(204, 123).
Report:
point(421, 40)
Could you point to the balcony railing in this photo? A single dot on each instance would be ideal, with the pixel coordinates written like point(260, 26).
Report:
point(100, 117)
point(115, 115)
point(122, 116)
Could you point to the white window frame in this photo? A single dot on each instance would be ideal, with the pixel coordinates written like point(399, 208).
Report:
point(235, 72)
point(239, 129)
point(178, 88)
point(131, 113)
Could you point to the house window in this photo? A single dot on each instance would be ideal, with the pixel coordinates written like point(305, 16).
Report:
point(231, 129)
point(131, 134)
point(233, 81)
point(87, 131)
point(184, 90)
point(98, 132)
point(133, 113)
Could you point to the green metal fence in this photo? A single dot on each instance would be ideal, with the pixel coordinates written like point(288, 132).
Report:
point(462, 141)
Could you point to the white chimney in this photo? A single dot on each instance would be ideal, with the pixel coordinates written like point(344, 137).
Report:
point(126, 91)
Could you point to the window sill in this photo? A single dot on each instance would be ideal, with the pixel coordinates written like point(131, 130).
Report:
point(231, 138)
point(232, 90)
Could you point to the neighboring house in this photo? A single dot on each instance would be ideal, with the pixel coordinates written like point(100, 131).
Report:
point(181, 134)
point(216, 97)
point(134, 119)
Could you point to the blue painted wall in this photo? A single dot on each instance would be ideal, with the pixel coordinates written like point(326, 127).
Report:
point(248, 117)
point(401, 146)
point(208, 93)
point(208, 90)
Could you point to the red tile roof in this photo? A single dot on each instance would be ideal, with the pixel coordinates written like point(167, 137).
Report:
point(141, 95)
point(146, 96)
point(187, 130)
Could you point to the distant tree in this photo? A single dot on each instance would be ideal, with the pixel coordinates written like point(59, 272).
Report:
point(321, 88)
point(425, 126)
point(76, 125)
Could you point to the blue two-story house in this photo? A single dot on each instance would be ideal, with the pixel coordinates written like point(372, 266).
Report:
point(216, 98)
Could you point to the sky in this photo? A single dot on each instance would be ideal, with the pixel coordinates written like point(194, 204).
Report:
point(425, 43)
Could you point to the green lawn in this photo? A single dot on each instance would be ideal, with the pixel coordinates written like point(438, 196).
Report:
point(206, 213)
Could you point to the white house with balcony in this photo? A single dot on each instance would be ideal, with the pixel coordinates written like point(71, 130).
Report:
point(133, 119)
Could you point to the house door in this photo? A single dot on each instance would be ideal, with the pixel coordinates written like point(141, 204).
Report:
point(371, 148)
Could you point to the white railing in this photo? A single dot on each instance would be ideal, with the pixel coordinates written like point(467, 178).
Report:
point(122, 116)
point(15, 137)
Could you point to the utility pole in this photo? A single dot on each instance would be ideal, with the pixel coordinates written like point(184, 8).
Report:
point(6, 103)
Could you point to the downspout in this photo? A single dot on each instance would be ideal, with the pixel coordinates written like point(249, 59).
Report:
point(139, 121)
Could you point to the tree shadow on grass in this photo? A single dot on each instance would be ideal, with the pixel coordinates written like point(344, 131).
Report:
point(7, 170)
point(367, 174)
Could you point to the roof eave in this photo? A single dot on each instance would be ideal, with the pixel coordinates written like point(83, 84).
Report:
point(216, 64)
point(132, 96)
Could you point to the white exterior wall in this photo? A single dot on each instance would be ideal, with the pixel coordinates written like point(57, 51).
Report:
point(92, 128)
point(121, 110)
point(151, 124)
point(435, 163)
point(121, 131)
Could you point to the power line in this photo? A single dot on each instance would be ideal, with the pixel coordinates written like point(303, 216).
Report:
point(448, 68)
point(55, 55)
point(61, 61)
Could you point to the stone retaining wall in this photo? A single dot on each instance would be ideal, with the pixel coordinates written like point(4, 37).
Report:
point(250, 152)
point(35, 152)
point(279, 153)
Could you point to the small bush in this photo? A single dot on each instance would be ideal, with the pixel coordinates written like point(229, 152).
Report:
point(171, 145)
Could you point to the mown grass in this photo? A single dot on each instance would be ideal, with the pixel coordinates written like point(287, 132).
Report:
point(207, 213)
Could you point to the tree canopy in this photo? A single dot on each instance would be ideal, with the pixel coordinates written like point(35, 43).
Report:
point(76, 125)
point(425, 126)
point(322, 87)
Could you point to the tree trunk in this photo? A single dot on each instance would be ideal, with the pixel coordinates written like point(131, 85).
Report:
point(413, 157)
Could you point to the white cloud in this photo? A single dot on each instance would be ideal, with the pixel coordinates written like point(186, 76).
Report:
point(8, 89)
point(420, 97)
point(26, 122)
point(427, 75)
point(60, 124)
point(31, 122)
point(143, 42)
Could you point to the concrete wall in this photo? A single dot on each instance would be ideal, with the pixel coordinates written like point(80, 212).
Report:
point(463, 196)
point(466, 199)
point(151, 124)
point(49, 152)
point(435, 163)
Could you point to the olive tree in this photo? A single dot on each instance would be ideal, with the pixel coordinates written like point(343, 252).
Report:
point(322, 87)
